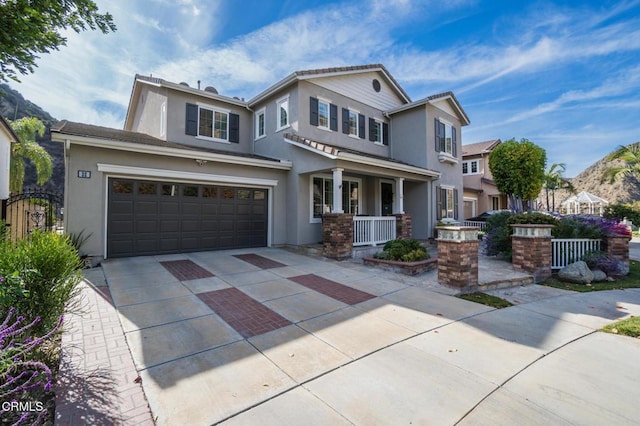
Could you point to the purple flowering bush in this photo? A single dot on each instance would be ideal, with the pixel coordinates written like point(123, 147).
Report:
point(24, 378)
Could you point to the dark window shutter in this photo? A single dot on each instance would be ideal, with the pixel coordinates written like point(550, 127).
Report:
point(385, 133)
point(438, 202)
point(313, 107)
point(361, 129)
point(345, 121)
point(454, 149)
point(333, 119)
point(372, 129)
point(455, 204)
point(234, 128)
point(437, 133)
point(191, 122)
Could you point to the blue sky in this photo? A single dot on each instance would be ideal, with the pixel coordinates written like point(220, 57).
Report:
point(563, 74)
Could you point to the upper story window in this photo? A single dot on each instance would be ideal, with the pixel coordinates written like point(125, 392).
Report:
point(260, 123)
point(207, 122)
point(323, 114)
point(282, 106)
point(353, 123)
point(471, 167)
point(446, 137)
point(378, 131)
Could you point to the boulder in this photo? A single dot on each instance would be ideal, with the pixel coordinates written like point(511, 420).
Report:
point(599, 275)
point(577, 272)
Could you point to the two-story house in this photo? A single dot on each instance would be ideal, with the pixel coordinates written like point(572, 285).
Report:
point(7, 137)
point(480, 191)
point(195, 170)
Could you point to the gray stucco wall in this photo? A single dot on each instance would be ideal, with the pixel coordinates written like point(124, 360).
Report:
point(150, 117)
point(85, 204)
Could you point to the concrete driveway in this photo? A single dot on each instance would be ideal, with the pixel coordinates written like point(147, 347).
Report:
point(267, 336)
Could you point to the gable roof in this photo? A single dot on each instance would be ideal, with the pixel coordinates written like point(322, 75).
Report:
point(140, 80)
point(480, 147)
point(326, 72)
point(464, 118)
point(106, 137)
point(6, 127)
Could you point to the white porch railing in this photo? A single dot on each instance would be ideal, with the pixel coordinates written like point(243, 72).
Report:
point(481, 225)
point(373, 230)
point(569, 250)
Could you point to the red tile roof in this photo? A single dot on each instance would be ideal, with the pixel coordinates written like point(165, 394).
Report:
point(480, 147)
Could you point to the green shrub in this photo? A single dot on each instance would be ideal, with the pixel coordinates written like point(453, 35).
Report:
point(403, 250)
point(619, 211)
point(576, 227)
point(499, 235)
point(50, 270)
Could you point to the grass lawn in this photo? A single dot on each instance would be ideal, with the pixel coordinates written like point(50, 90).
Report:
point(630, 281)
point(627, 327)
point(486, 299)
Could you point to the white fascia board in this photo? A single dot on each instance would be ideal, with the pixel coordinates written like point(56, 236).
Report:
point(310, 148)
point(173, 152)
point(177, 175)
point(272, 89)
point(388, 164)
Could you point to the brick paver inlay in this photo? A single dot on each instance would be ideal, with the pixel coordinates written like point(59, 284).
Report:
point(246, 315)
point(185, 270)
point(259, 261)
point(341, 292)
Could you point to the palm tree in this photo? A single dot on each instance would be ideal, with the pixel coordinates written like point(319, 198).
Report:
point(553, 180)
point(27, 148)
point(630, 155)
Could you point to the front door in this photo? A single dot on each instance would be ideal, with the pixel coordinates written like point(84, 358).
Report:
point(386, 196)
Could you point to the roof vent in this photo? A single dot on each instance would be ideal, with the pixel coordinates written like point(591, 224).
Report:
point(211, 89)
point(184, 84)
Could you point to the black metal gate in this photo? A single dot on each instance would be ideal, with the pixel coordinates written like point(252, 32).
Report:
point(33, 209)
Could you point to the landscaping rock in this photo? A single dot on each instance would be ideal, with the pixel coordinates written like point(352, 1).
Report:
point(577, 272)
point(598, 275)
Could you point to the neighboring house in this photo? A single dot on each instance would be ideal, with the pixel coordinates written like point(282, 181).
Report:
point(195, 170)
point(480, 191)
point(7, 137)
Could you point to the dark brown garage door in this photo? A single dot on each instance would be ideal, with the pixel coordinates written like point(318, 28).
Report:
point(146, 217)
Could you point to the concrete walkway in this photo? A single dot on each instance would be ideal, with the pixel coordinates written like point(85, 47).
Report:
point(349, 345)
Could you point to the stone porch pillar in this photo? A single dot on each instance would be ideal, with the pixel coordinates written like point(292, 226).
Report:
point(404, 226)
point(398, 201)
point(337, 190)
point(458, 257)
point(531, 246)
point(337, 235)
point(617, 247)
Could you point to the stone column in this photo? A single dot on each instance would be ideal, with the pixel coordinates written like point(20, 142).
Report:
point(337, 235)
point(337, 191)
point(617, 247)
point(531, 246)
point(404, 227)
point(458, 257)
point(398, 201)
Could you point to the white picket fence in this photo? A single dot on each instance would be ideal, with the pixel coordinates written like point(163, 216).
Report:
point(373, 230)
point(477, 224)
point(568, 250)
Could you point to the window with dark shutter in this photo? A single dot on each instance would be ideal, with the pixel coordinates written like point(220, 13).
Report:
point(439, 202)
point(372, 130)
point(234, 128)
point(361, 124)
point(455, 204)
point(438, 135)
point(313, 108)
point(345, 121)
point(454, 149)
point(385, 134)
point(191, 122)
point(333, 117)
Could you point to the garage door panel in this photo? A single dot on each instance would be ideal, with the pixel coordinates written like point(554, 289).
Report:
point(146, 217)
point(121, 207)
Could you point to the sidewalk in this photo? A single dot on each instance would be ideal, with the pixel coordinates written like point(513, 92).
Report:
point(97, 378)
